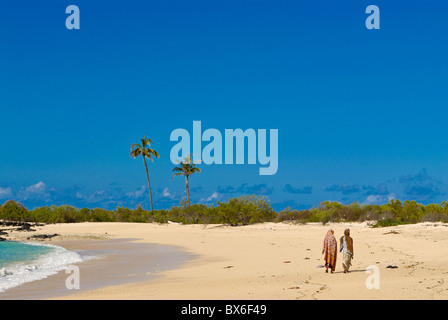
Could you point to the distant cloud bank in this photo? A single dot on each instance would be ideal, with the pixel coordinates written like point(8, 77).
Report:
point(420, 187)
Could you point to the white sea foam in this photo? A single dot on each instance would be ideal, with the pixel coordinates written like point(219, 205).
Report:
point(46, 265)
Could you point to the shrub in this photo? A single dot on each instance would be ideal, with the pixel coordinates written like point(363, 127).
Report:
point(14, 211)
point(287, 214)
point(244, 210)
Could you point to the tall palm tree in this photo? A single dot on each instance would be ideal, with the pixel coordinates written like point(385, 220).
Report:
point(186, 168)
point(145, 151)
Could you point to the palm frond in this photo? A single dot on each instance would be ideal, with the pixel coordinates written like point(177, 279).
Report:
point(146, 142)
point(177, 174)
point(153, 152)
point(136, 152)
point(186, 167)
point(136, 145)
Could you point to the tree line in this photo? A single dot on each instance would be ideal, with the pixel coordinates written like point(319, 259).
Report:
point(242, 210)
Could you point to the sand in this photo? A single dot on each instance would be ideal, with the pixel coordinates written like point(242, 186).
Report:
point(274, 261)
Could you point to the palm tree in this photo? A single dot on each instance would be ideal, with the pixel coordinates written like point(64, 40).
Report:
point(186, 168)
point(145, 151)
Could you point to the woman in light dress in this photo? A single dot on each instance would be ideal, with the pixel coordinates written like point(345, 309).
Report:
point(346, 243)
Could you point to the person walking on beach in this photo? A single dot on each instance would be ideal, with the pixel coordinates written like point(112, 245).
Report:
point(330, 250)
point(347, 250)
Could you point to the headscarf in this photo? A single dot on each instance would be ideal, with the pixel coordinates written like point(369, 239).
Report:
point(348, 240)
point(330, 250)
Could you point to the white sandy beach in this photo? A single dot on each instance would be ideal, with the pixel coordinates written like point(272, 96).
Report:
point(275, 261)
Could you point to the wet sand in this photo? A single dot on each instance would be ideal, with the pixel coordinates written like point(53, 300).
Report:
point(108, 263)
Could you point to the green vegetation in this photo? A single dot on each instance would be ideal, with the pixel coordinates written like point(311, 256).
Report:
point(237, 211)
point(393, 213)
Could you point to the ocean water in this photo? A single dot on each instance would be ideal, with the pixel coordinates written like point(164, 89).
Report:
point(22, 262)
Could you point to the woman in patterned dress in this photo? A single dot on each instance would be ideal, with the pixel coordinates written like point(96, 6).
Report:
point(330, 250)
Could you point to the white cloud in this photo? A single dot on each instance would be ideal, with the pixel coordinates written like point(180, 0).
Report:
point(36, 191)
point(137, 193)
point(38, 188)
point(5, 193)
point(380, 199)
point(166, 193)
point(98, 196)
point(215, 196)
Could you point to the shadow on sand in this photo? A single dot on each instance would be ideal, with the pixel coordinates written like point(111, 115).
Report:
point(351, 271)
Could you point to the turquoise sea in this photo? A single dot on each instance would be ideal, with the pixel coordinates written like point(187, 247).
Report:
point(22, 262)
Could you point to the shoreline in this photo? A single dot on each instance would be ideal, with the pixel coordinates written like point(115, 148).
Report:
point(274, 261)
point(106, 262)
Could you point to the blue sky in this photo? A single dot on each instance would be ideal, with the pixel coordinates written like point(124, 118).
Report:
point(361, 113)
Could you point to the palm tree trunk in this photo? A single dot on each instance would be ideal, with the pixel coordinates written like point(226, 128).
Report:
point(188, 189)
point(149, 184)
